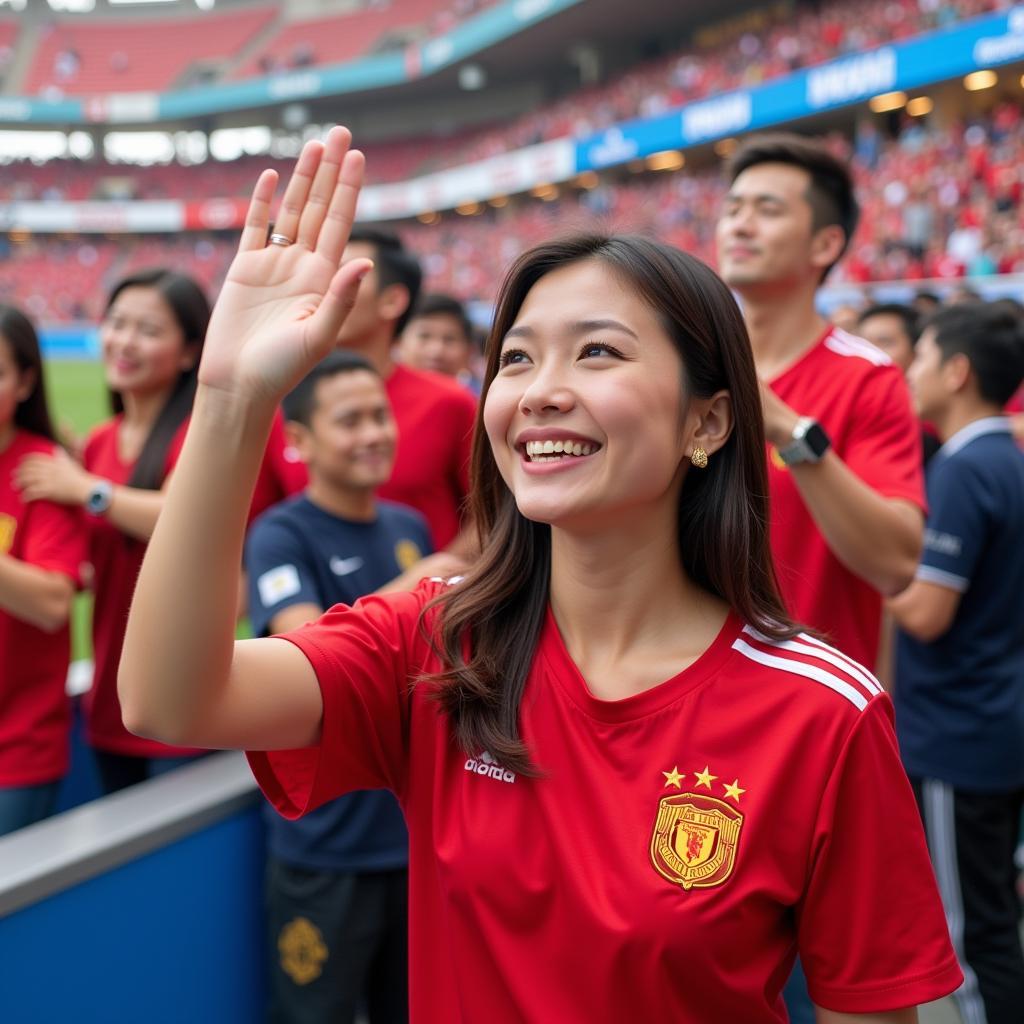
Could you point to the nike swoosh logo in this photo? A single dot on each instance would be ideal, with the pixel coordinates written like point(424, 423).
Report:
point(344, 566)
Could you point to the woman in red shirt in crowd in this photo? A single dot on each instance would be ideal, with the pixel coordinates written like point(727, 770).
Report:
point(42, 548)
point(151, 337)
point(634, 788)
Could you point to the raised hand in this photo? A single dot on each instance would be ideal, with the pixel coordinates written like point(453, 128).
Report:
point(282, 305)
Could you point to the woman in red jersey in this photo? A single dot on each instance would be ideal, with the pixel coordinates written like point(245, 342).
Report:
point(634, 788)
point(42, 548)
point(151, 337)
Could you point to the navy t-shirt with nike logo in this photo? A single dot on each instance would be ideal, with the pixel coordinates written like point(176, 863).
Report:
point(298, 553)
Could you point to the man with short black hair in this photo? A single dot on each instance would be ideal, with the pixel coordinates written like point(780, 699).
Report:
point(439, 338)
point(960, 654)
point(892, 327)
point(844, 461)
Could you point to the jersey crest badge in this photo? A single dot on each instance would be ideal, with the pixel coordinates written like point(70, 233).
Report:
point(694, 841)
point(302, 950)
point(8, 527)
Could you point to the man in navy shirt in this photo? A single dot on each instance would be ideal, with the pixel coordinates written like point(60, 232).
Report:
point(960, 652)
point(336, 879)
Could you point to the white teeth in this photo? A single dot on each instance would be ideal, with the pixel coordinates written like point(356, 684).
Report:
point(539, 449)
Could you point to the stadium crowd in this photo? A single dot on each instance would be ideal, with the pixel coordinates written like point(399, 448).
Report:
point(362, 488)
point(772, 46)
point(939, 203)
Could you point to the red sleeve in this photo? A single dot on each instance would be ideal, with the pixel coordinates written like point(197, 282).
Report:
point(362, 663)
point(278, 478)
point(56, 540)
point(884, 446)
point(871, 927)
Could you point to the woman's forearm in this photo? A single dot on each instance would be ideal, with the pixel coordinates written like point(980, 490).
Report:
point(36, 596)
point(135, 511)
point(178, 645)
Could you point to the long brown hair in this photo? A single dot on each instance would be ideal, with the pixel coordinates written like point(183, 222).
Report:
point(32, 413)
point(723, 511)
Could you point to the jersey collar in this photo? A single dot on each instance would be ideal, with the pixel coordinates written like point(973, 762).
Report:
point(965, 435)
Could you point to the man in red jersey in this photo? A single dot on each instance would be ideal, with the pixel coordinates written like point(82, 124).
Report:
point(434, 414)
point(847, 493)
point(845, 474)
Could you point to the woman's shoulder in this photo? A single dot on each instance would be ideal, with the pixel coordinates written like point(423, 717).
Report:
point(25, 442)
point(805, 677)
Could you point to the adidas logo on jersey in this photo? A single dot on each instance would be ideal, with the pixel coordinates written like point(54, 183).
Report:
point(486, 765)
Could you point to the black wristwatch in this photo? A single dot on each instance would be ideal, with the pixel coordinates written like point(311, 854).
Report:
point(809, 443)
point(99, 498)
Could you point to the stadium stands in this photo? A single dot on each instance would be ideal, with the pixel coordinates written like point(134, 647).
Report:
point(937, 203)
point(76, 58)
point(341, 37)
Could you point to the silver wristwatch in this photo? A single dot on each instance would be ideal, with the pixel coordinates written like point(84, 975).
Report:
point(809, 443)
point(99, 498)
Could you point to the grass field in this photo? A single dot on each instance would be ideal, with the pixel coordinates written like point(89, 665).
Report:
point(78, 401)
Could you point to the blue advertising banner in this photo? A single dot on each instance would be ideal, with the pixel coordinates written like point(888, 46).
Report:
point(983, 43)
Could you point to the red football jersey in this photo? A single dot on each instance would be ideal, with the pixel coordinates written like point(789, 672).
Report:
point(435, 417)
point(116, 559)
point(860, 398)
point(35, 717)
point(281, 474)
point(680, 847)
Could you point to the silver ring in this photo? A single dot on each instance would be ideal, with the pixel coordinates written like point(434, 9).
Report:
point(280, 240)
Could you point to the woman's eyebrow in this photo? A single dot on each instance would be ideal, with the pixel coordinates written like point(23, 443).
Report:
point(579, 327)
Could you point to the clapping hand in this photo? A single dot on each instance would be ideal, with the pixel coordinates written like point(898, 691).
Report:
point(283, 302)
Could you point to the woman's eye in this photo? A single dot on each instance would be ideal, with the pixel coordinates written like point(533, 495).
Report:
point(593, 349)
point(510, 356)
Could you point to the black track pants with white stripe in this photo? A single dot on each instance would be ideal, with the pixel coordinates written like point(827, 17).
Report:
point(972, 838)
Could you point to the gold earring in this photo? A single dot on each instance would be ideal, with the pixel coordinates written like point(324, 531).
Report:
point(699, 458)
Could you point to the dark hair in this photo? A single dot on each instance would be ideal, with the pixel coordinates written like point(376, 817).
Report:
point(908, 316)
point(723, 511)
point(32, 413)
point(992, 339)
point(300, 402)
point(394, 264)
point(928, 297)
point(191, 310)
point(830, 194)
point(1009, 305)
point(445, 305)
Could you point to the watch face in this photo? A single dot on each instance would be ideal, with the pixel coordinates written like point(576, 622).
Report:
point(99, 499)
point(817, 440)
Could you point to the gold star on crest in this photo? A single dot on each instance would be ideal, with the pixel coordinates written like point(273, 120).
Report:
point(733, 789)
point(672, 778)
point(705, 777)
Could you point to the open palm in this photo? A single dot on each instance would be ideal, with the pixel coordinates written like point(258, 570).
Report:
point(282, 305)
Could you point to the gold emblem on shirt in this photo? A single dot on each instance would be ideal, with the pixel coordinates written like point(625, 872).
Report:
point(8, 527)
point(303, 950)
point(407, 554)
point(695, 834)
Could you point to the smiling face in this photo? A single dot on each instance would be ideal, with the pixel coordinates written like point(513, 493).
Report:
point(144, 347)
point(351, 437)
point(765, 234)
point(587, 416)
